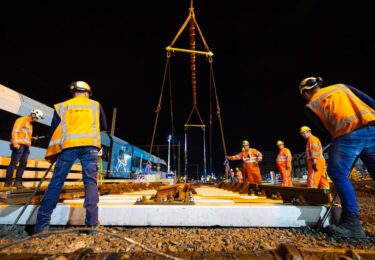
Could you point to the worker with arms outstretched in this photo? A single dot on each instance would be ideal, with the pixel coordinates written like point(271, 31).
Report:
point(251, 159)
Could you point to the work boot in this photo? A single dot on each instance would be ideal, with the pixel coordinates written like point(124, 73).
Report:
point(349, 226)
point(40, 233)
point(8, 183)
point(91, 232)
point(19, 185)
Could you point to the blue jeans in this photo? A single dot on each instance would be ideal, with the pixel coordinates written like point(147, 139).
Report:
point(343, 153)
point(89, 161)
point(18, 155)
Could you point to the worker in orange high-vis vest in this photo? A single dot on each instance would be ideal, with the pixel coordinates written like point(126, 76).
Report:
point(316, 164)
point(284, 164)
point(348, 115)
point(19, 144)
point(251, 159)
point(75, 135)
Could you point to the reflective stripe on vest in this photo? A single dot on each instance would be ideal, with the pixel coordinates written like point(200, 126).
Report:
point(72, 131)
point(248, 158)
point(310, 152)
point(22, 131)
point(284, 157)
point(329, 105)
point(62, 110)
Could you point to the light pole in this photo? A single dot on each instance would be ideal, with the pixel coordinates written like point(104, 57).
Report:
point(169, 153)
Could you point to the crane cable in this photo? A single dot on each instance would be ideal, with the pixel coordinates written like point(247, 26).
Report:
point(218, 112)
point(171, 114)
point(158, 108)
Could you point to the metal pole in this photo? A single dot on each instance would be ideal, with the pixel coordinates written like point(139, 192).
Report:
point(179, 159)
point(113, 121)
point(158, 164)
point(204, 153)
point(169, 154)
point(186, 159)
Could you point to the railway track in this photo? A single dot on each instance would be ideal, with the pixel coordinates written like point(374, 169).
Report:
point(196, 243)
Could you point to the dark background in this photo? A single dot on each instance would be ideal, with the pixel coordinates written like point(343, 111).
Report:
point(263, 49)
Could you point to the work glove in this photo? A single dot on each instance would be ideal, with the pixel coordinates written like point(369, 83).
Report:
point(226, 160)
point(315, 168)
point(16, 146)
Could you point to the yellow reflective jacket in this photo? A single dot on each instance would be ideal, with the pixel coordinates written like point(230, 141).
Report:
point(22, 131)
point(340, 110)
point(79, 126)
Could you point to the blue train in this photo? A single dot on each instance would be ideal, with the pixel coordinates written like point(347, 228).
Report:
point(120, 159)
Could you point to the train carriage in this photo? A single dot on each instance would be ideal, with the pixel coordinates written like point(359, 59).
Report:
point(121, 160)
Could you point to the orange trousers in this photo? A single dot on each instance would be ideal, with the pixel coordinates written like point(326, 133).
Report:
point(317, 179)
point(251, 173)
point(286, 176)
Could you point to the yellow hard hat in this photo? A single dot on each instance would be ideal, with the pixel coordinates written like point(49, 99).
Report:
point(80, 86)
point(245, 142)
point(304, 129)
point(279, 142)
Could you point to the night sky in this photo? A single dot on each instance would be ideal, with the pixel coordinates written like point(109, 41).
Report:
point(262, 50)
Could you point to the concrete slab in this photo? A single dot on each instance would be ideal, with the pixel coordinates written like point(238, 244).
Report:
point(119, 210)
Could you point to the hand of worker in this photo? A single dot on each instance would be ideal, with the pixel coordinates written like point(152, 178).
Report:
point(38, 137)
point(315, 168)
point(16, 146)
point(226, 160)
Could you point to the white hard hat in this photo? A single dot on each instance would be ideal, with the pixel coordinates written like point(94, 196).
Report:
point(38, 113)
point(80, 86)
point(309, 83)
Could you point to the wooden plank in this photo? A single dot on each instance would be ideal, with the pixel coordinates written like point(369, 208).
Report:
point(38, 174)
point(297, 195)
point(40, 164)
point(33, 184)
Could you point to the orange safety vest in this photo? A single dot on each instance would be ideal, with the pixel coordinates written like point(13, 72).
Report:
point(252, 156)
point(314, 148)
point(340, 110)
point(284, 158)
point(22, 131)
point(79, 126)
